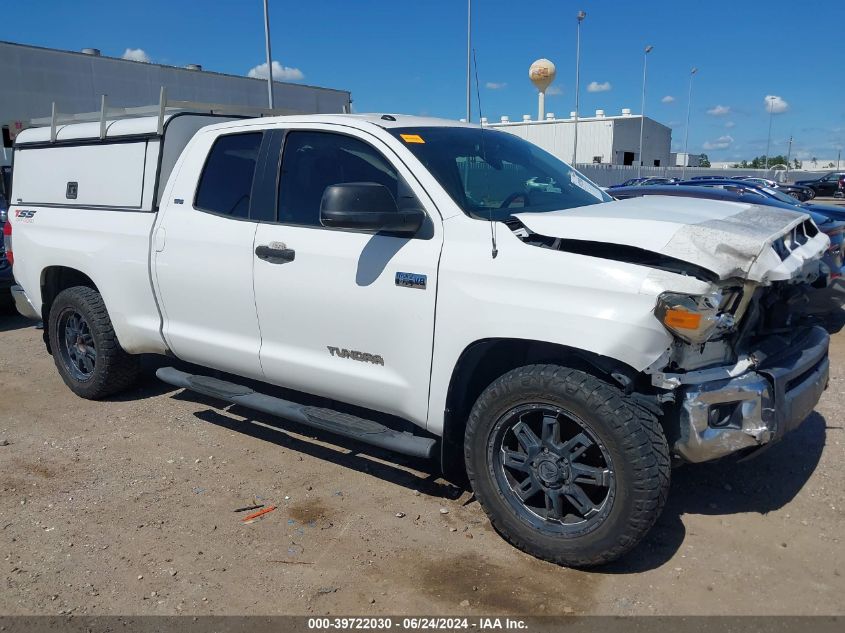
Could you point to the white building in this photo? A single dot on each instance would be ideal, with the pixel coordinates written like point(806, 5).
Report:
point(602, 139)
point(678, 159)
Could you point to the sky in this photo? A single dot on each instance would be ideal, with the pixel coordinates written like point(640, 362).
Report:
point(410, 57)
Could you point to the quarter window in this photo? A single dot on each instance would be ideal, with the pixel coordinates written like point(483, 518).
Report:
point(313, 161)
point(226, 182)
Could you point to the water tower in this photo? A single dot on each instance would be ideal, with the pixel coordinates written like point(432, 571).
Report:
point(542, 74)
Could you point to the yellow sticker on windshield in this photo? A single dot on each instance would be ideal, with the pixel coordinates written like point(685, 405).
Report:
point(412, 138)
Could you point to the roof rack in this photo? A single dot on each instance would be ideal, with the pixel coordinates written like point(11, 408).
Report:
point(163, 108)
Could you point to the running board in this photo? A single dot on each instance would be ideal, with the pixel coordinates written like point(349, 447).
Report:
point(336, 422)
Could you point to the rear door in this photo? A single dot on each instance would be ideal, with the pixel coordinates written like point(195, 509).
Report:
point(203, 253)
point(351, 316)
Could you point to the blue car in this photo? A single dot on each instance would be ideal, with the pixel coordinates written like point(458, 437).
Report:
point(761, 190)
point(735, 191)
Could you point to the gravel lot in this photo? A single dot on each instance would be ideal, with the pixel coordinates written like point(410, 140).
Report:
point(126, 507)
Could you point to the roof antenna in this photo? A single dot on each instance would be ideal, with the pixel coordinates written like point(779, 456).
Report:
point(495, 250)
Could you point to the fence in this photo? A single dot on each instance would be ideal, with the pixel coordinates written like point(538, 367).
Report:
point(608, 175)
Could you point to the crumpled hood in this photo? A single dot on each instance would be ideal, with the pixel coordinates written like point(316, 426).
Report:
point(732, 239)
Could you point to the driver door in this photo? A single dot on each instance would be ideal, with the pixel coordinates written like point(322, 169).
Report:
point(337, 318)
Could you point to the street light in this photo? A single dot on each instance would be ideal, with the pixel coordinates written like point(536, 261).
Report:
point(686, 130)
point(269, 57)
point(769, 140)
point(648, 49)
point(469, 53)
point(580, 17)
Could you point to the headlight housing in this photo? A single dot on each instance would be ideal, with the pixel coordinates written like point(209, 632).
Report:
point(696, 318)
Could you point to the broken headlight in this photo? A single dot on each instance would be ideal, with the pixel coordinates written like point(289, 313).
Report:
point(696, 318)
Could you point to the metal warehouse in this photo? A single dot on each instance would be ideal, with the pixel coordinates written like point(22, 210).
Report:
point(34, 78)
point(610, 140)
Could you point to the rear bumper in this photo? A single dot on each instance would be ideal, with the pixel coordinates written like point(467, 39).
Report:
point(23, 305)
point(757, 407)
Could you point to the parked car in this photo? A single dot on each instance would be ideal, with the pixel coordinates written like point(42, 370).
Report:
point(630, 182)
point(834, 259)
point(832, 211)
point(824, 185)
point(642, 182)
point(557, 348)
point(799, 192)
point(840, 191)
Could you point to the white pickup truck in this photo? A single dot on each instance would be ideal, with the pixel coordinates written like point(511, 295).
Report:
point(559, 348)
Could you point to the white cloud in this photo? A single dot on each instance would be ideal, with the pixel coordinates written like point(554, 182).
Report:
point(723, 142)
point(554, 90)
point(719, 110)
point(668, 99)
point(280, 73)
point(729, 124)
point(775, 104)
point(495, 85)
point(595, 86)
point(136, 55)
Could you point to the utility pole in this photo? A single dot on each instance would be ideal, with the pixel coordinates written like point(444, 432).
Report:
point(769, 140)
point(788, 155)
point(686, 129)
point(469, 60)
point(580, 17)
point(648, 49)
point(269, 56)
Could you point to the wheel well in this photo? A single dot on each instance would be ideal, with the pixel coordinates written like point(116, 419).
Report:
point(54, 279)
point(484, 361)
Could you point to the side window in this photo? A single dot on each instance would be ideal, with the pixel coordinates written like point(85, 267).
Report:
point(226, 180)
point(313, 161)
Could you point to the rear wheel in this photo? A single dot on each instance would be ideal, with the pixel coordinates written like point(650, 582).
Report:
point(567, 468)
point(85, 348)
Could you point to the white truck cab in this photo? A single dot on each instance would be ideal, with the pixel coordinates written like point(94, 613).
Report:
point(556, 346)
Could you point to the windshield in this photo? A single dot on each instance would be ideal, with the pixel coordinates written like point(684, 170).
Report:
point(492, 174)
point(779, 195)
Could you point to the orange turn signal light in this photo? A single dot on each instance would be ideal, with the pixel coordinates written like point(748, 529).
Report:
point(682, 319)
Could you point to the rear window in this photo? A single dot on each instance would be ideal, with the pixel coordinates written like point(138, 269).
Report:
point(226, 182)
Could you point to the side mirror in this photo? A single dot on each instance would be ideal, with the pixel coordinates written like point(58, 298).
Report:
point(366, 206)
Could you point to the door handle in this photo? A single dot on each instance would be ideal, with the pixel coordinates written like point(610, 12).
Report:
point(275, 255)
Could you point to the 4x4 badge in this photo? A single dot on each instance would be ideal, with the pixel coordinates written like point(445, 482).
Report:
point(411, 280)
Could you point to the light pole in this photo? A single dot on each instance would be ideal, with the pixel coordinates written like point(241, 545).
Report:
point(648, 49)
point(469, 53)
point(788, 156)
point(686, 130)
point(771, 101)
point(269, 57)
point(580, 17)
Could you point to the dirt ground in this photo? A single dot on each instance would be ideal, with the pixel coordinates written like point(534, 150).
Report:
point(126, 507)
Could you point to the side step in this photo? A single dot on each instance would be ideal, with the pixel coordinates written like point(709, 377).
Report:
point(344, 424)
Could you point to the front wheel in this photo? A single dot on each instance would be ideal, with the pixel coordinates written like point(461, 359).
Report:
point(567, 468)
point(85, 348)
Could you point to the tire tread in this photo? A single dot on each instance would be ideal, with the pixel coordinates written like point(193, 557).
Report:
point(643, 441)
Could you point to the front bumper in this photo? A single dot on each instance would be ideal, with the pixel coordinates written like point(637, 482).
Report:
point(720, 417)
point(23, 305)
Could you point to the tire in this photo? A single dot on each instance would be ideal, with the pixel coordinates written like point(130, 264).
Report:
point(93, 365)
point(594, 438)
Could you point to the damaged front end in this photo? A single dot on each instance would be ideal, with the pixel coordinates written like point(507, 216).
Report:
point(751, 370)
point(746, 364)
point(749, 386)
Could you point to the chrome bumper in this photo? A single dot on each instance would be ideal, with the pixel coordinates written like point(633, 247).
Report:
point(23, 305)
point(724, 416)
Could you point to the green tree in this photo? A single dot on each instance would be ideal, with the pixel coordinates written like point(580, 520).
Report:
point(703, 161)
point(796, 163)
